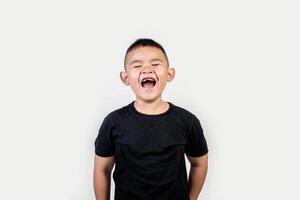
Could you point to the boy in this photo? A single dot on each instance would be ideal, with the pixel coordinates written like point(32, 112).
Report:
point(147, 139)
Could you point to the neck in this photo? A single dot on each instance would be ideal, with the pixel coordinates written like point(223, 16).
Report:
point(157, 106)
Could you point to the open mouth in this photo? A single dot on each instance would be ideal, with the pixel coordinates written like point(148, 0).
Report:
point(148, 82)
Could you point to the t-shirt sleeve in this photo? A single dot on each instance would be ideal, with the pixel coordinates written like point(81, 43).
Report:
point(104, 144)
point(196, 144)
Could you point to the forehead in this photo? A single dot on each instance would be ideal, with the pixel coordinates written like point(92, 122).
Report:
point(144, 53)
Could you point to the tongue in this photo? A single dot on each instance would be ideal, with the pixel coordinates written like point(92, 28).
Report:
point(148, 85)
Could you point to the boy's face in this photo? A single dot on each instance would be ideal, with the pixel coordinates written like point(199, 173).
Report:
point(147, 72)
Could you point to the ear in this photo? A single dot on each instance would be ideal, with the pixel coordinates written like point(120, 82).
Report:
point(171, 74)
point(124, 77)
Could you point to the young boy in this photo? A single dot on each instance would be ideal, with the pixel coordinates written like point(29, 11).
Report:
point(147, 139)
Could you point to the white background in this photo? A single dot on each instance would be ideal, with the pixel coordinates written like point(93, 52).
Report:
point(237, 65)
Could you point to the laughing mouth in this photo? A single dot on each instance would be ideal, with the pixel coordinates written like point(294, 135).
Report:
point(148, 82)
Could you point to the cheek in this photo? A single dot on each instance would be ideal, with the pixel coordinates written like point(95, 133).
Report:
point(133, 78)
point(162, 74)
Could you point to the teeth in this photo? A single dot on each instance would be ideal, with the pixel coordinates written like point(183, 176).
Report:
point(148, 79)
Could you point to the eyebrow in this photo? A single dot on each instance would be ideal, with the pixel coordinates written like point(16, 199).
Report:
point(154, 59)
point(135, 61)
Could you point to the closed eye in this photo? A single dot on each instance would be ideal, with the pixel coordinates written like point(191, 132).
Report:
point(137, 66)
point(156, 64)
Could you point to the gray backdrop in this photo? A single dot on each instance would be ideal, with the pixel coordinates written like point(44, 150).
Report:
point(237, 68)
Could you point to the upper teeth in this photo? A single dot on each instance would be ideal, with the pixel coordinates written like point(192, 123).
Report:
point(146, 79)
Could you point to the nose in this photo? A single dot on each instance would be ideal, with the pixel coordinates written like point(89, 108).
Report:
point(147, 70)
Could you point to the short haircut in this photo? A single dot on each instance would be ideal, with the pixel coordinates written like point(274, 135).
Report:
point(145, 42)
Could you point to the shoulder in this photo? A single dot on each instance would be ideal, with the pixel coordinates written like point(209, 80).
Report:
point(117, 114)
point(187, 117)
point(183, 112)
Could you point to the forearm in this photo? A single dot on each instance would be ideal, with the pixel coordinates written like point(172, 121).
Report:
point(196, 180)
point(102, 182)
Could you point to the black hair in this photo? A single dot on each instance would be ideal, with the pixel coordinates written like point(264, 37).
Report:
point(145, 42)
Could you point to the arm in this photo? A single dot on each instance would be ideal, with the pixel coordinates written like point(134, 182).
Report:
point(197, 175)
point(102, 178)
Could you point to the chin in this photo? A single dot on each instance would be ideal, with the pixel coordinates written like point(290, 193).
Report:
point(148, 98)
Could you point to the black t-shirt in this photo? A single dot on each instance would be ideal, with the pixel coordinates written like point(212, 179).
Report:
point(149, 151)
